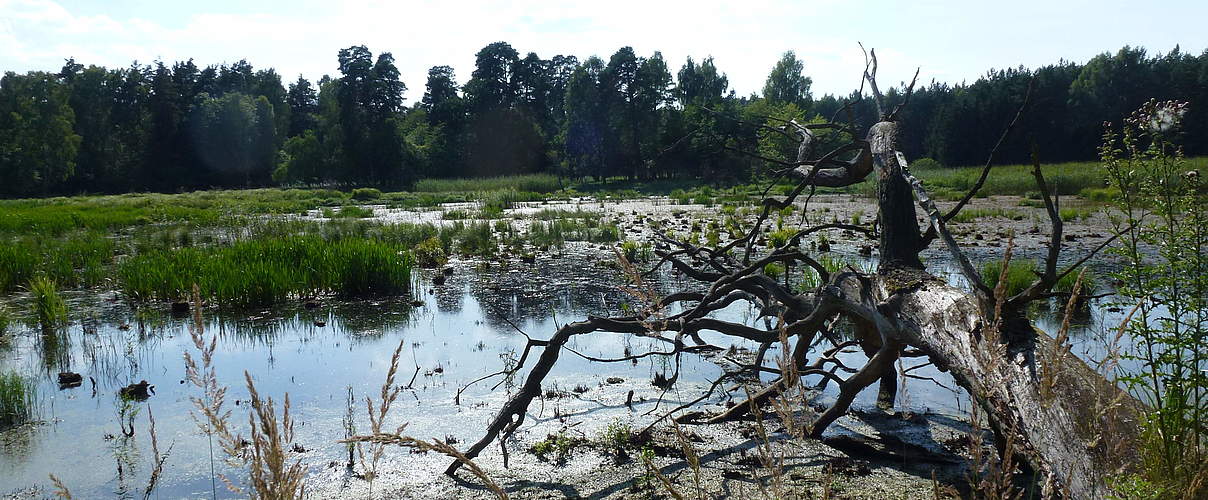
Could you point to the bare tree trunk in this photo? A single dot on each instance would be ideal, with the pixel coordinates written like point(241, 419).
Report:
point(1071, 426)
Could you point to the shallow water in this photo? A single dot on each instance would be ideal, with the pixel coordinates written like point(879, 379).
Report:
point(461, 332)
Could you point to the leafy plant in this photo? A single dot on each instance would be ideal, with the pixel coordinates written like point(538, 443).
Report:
point(1163, 205)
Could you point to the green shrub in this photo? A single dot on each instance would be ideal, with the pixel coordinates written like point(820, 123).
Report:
point(366, 194)
point(429, 253)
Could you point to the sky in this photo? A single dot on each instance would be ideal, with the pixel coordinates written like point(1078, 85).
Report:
point(949, 41)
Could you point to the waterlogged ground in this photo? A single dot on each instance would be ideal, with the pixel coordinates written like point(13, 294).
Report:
point(459, 331)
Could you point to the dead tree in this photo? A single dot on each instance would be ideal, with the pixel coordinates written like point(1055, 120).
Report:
point(1067, 423)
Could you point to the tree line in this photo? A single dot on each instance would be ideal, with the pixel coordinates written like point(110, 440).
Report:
point(164, 127)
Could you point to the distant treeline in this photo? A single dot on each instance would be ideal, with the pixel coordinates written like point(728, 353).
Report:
point(170, 127)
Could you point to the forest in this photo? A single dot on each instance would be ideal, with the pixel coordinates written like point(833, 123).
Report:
point(170, 127)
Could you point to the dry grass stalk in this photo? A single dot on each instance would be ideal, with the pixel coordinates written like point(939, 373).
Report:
point(436, 445)
point(1060, 351)
point(692, 457)
point(270, 474)
point(61, 491)
point(388, 394)
point(157, 460)
point(666, 482)
point(379, 439)
point(773, 462)
point(990, 480)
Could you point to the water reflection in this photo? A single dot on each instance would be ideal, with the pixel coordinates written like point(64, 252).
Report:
point(464, 328)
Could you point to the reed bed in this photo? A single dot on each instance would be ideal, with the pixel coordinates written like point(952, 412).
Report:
point(78, 259)
point(270, 270)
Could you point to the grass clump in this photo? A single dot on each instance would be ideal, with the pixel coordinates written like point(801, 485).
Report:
point(1072, 214)
point(49, 307)
point(559, 445)
point(348, 212)
point(430, 253)
point(635, 251)
point(779, 238)
point(558, 231)
point(618, 435)
point(1020, 274)
point(270, 270)
point(17, 398)
point(474, 239)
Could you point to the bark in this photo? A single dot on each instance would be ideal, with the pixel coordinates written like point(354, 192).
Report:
point(1073, 428)
point(1076, 435)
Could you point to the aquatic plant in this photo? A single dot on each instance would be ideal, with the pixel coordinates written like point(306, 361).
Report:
point(1020, 274)
point(270, 270)
point(18, 396)
point(79, 258)
point(48, 306)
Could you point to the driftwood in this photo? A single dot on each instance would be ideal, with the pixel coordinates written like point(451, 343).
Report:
point(1067, 423)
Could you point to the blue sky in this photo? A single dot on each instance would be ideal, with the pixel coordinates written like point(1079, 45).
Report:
point(949, 40)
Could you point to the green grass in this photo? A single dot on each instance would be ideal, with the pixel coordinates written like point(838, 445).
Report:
point(558, 231)
point(17, 399)
point(1019, 274)
point(1022, 272)
point(557, 213)
point(537, 183)
point(1074, 178)
point(1072, 214)
point(5, 319)
point(348, 212)
point(77, 259)
point(270, 270)
point(635, 251)
point(48, 306)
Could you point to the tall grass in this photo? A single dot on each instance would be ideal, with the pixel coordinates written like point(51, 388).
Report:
point(270, 270)
point(18, 396)
point(48, 306)
point(537, 183)
point(78, 259)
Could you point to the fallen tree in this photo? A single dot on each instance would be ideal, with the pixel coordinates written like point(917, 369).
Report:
point(1050, 410)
